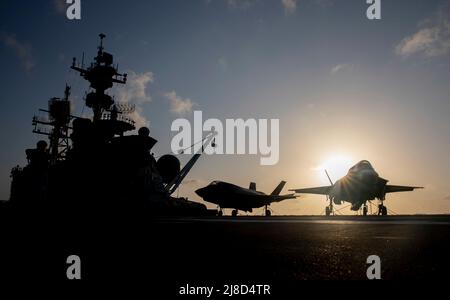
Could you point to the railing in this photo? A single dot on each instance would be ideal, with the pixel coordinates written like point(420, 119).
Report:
point(119, 117)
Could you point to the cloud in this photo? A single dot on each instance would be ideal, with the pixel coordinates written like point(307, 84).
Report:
point(22, 50)
point(431, 40)
point(194, 182)
point(135, 92)
point(290, 6)
point(139, 119)
point(340, 68)
point(60, 6)
point(426, 41)
point(136, 88)
point(179, 105)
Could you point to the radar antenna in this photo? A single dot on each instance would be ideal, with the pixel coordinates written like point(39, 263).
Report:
point(56, 125)
point(102, 74)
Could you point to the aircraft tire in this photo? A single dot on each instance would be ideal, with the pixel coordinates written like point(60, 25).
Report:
point(220, 213)
point(384, 211)
point(327, 211)
point(365, 211)
point(234, 213)
point(268, 213)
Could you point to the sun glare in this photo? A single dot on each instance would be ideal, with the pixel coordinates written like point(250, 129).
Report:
point(336, 165)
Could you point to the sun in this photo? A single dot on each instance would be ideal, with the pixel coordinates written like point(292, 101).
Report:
point(336, 165)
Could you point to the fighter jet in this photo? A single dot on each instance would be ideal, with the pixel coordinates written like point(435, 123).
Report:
point(361, 184)
point(227, 195)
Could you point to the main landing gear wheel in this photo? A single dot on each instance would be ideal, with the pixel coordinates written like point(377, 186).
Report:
point(234, 213)
point(365, 210)
point(267, 211)
point(219, 212)
point(382, 210)
point(329, 209)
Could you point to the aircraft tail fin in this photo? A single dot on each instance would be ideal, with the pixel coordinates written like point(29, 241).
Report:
point(278, 189)
point(252, 186)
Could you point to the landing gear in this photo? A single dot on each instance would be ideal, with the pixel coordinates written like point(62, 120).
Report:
point(382, 210)
point(234, 213)
point(267, 211)
point(329, 209)
point(219, 211)
point(365, 210)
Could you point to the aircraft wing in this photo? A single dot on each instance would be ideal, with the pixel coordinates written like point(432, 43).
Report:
point(400, 188)
point(321, 190)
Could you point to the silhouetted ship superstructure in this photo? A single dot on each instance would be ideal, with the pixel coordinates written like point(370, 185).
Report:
point(90, 163)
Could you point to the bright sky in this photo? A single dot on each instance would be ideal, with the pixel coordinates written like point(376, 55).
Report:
point(344, 88)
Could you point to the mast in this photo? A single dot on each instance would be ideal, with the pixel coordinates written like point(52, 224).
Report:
point(101, 75)
point(56, 125)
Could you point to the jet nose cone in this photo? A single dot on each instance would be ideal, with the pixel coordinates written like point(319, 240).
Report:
point(201, 192)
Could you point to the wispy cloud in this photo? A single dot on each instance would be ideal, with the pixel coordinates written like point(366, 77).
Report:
point(179, 105)
point(22, 50)
point(136, 87)
point(290, 6)
point(135, 92)
point(340, 68)
point(431, 40)
point(60, 6)
point(194, 182)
